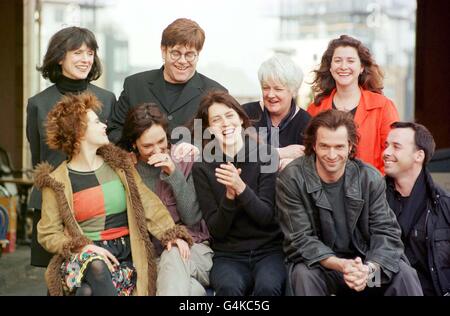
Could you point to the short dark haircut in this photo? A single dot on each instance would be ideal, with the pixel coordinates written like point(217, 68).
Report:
point(63, 41)
point(138, 120)
point(422, 138)
point(222, 97)
point(183, 32)
point(331, 119)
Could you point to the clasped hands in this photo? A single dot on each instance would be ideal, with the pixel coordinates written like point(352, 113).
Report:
point(356, 274)
point(229, 175)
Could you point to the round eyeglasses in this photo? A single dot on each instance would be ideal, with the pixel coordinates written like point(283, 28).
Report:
point(175, 55)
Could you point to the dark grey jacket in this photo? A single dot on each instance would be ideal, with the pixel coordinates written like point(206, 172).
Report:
point(149, 86)
point(436, 230)
point(37, 110)
point(306, 215)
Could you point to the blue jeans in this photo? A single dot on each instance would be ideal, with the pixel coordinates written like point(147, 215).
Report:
point(256, 272)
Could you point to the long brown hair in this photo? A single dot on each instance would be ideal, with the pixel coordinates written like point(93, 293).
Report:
point(371, 78)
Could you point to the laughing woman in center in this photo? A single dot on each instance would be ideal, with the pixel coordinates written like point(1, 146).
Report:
point(236, 192)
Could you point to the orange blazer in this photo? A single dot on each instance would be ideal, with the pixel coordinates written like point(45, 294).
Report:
point(373, 117)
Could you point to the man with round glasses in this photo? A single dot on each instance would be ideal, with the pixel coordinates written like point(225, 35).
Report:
point(176, 87)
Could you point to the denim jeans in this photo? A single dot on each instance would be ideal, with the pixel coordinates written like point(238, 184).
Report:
point(256, 272)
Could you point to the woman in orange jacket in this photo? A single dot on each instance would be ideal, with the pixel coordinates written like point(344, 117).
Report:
point(349, 80)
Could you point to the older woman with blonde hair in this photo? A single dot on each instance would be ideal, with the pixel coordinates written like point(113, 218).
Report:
point(96, 211)
point(277, 113)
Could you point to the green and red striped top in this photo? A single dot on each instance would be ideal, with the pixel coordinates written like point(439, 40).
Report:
point(99, 203)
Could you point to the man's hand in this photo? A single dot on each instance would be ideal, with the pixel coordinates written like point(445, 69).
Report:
point(291, 151)
point(356, 275)
point(283, 163)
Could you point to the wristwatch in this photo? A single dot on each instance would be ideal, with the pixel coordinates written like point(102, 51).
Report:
point(373, 268)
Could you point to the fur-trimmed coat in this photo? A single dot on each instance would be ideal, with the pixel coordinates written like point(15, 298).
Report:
point(60, 234)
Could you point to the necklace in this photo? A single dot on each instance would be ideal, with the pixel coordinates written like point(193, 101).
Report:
point(345, 108)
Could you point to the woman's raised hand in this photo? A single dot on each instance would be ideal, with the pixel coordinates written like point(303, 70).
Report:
point(229, 175)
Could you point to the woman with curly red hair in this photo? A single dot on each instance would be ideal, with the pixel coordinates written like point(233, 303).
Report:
point(349, 80)
point(96, 211)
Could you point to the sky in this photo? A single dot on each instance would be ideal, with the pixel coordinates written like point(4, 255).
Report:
point(240, 35)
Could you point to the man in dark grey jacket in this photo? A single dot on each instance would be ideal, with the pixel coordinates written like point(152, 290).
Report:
point(176, 88)
point(341, 237)
point(421, 206)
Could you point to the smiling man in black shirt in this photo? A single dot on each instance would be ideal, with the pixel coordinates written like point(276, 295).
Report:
point(422, 207)
point(176, 88)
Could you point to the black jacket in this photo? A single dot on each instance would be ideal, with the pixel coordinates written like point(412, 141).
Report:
point(307, 222)
point(437, 230)
point(37, 111)
point(149, 86)
point(292, 134)
point(249, 222)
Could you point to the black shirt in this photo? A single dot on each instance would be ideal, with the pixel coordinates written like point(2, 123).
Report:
point(172, 92)
point(247, 223)
point(290, 133)
point(352, 112)
point(411, 212)
point(336, 196)
point(67, 85)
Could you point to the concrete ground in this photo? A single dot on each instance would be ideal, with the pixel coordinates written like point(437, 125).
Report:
point(18, 277)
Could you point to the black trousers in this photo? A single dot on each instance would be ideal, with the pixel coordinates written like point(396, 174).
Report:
point(258, 273)
point(319, 281)
point(39, 256)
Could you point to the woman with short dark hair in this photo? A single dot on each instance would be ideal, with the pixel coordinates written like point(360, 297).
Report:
point(71, 63)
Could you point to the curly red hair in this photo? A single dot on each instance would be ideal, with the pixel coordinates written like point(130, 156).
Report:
point(67, 121)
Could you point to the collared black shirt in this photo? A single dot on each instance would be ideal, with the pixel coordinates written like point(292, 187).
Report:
point(411, 212)
point(336, 196)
